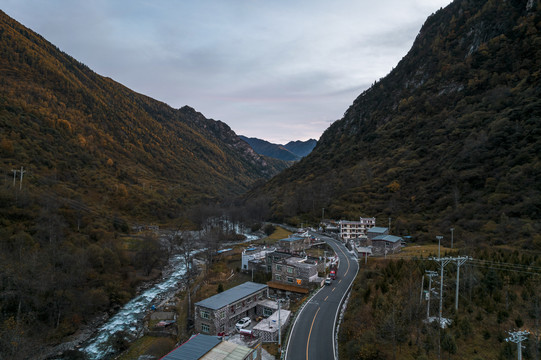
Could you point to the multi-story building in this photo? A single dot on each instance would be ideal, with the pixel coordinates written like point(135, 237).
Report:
point(355, 229)
point(220, 313)
point(294, 274)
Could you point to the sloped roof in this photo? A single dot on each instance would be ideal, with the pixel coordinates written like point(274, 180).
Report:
point(193, 349)
point(227, 350)
point(378, 230)
point(232, 295)
point(389, 238)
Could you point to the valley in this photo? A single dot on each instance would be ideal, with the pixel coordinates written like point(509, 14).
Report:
point(111, 202)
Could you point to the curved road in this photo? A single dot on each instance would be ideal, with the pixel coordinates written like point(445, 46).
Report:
point(312, 336)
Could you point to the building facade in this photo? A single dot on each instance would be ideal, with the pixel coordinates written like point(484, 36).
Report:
point(386, 244)
point(294, 274)
point(220, 313)
point(355, 229)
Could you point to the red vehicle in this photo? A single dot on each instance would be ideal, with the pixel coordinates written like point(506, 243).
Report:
point(333, 270)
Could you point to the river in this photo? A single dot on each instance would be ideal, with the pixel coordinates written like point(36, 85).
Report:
point(129, 318)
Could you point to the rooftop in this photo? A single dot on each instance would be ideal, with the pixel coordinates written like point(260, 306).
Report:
point(389, 238)
point(299, 262)
point(292, 238)
point(232, 295)
point(227, 351)
point(193, 349)
point(378, 230)
point(271, 323)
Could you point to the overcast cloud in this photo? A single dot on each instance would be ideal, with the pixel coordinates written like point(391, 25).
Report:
point(276, 70)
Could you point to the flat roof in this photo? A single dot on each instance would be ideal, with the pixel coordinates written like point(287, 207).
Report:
point(193, 349)
point(232, 295)
point(270, 324)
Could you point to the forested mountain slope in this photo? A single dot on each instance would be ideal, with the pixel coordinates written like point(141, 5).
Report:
point(61, 120)
point(450, 137)
point(96, 158)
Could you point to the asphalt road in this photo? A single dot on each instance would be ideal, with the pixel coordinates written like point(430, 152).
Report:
point(312, 336)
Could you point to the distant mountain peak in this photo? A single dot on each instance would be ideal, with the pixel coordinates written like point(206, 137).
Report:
point(292, 151)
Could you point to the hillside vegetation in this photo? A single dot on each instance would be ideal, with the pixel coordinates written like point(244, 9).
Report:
point(96, 159)
point(450, 138)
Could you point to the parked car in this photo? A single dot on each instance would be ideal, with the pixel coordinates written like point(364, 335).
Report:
point(242, 323)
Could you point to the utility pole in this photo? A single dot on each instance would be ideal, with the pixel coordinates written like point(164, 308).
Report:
point(21, 183)
point(518, 337)
point(430, 275)
point(452, 229)
point(442, 262)
point(459, 261)
point(279, 328)
point(389, 226)
point(439, 244)
point(422, 288)
point(14, 176)
point(322, 214)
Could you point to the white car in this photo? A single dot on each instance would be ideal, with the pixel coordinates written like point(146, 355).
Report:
point(242, 323)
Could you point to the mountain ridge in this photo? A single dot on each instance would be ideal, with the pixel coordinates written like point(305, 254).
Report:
point(446, 139)
point(292, 151)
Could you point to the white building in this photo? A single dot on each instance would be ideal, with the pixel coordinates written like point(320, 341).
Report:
point(252, 258)
point(355, 229)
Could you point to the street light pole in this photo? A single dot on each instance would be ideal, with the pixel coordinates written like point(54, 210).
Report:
point(439, 244)
point(452, 229)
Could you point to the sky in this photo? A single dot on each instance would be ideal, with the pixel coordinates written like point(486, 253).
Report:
point(272, 69)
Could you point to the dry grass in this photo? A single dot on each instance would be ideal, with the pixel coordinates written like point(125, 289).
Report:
point(421, 251)
point(279, 233)
point(148, 345)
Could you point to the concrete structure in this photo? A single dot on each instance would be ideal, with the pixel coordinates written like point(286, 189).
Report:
point(206, 347)
point(354, 229)
point(386, 244)
point(255, 258)
point(267, 329)
point(295, 274)
point(220, 312)
point(294, 244)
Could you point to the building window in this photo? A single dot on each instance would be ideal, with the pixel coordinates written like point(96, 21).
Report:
point(222, 315)
point(238, 306)
point(278, 267)
point(278, 277)
point(289, 270)
point(205, 314)
point(290, 280)
point(205, 328)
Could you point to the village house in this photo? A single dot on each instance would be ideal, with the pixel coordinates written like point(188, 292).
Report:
point(354, 229)
point(377, 231)
point(220, 313)
point(386, 244)
point(294, 275)
point(294, 244)
point(255, 258)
